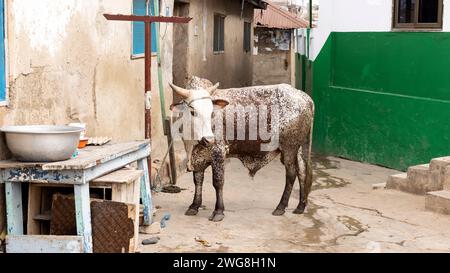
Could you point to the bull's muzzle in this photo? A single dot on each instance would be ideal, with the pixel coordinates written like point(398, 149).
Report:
point(207, 141)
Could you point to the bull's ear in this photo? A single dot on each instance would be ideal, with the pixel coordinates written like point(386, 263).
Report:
point(220, 103)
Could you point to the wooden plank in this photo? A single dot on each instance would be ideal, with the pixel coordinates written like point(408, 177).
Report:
point(119, 176)
point(119, 193)
point(146, 192)
point(148, 19)
point(34, 208)
point(14, 214)
point(37, 175)
point(115, 164)
point(69, 176)
point(44, 244)
point(83, 215)
point(87, 157)
point(135, 199)
point(2, 211)
point(43, 217)
point(53, 185)
point(93, 156)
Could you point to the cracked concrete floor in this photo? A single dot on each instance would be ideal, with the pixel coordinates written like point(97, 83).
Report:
point(344, 214)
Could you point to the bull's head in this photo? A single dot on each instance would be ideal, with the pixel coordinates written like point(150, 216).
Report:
point(200, 104)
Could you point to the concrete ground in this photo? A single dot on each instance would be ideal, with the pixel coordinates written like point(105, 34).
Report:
point(344, 214)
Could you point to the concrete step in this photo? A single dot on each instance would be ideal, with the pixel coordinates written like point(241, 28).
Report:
point(421, 180)
point(438, 201)
point(438, 168)
point(397, 182)
point(446, 179)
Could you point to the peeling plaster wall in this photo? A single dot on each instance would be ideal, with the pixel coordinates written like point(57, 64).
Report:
point(272, 57)
point(67, 63)
point(233, 68)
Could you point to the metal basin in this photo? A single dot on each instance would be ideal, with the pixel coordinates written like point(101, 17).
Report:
point(42, 143)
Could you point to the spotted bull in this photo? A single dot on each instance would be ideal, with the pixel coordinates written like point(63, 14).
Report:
point(274, 119)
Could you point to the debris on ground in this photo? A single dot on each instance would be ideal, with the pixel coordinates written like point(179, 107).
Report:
point(171, 189)
point(164, 219)
point(379, 186)
point(154, 228)
point(202, 241)
point(151, 241)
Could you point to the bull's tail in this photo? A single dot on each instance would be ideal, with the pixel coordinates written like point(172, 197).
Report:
point(306, 156)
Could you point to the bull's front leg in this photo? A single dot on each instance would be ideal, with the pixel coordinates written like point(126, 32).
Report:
point(198, 181)
point(218, 171)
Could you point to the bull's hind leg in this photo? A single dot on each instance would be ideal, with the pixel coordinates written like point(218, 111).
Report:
point(198, 181)
point(305, 179)
point(291, 165)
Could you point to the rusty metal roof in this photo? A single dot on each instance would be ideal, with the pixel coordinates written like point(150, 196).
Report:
point(276, 17)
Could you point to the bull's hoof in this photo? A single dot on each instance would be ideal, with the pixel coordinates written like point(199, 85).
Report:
point(191, 212)
point(216, 217)
point(300, 209)
point(189, 168)
point(278, 212)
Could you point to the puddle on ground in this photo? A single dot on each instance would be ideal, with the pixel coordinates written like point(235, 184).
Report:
point(322, 179)
point(313, 233)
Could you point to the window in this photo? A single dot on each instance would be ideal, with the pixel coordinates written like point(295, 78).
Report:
point(219, 33)
point(2, 54)
point(247, 36)
point(140, 7)
point(412, 14)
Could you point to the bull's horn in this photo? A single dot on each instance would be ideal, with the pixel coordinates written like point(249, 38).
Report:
point(213, 88)
point(180, 91)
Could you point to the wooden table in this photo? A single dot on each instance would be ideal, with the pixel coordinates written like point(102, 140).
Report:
point(91, 162)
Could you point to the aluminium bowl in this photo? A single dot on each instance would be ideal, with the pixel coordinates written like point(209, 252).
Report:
point(42, 143)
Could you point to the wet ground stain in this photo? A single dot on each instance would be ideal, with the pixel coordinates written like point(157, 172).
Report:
point(322, 179)
point(352, 224)
point(313, 233)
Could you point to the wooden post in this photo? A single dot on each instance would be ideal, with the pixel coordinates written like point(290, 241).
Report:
point(83, 215)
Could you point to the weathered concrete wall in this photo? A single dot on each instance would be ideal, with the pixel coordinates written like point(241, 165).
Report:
point(233, 68)
point(272, 61)
point(180, 47)
point(67, 63)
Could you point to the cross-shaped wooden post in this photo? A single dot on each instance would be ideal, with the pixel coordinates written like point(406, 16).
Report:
point(145, 183)
point(148, 62)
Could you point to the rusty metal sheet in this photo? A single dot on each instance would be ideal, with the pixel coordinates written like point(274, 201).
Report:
point(112, 223)
point(63, 221)
point(112, 227)
point(275, 17)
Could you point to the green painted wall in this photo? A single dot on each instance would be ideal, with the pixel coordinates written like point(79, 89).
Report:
point(383, 97)
point(303, 73)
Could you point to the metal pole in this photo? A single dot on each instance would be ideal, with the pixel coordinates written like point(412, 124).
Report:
point(148, 88)
point(165, 120)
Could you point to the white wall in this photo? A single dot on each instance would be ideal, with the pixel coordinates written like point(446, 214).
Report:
point(357, 16)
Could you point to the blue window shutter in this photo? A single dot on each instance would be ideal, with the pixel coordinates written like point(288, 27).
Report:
point(2, 54)
point(139, 8)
